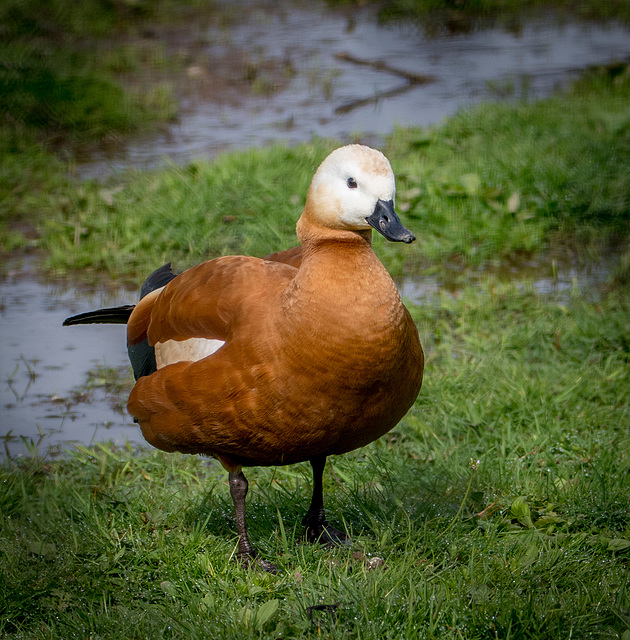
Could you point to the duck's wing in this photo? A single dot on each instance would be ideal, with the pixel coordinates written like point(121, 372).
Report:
point(203, 299)
point(207, 302)
point(210, 331)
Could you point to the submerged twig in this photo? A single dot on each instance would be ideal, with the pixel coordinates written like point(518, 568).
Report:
point(413, 80)
point(379, 65)
point(361, 102)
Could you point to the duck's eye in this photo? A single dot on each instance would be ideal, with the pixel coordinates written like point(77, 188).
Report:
point(352, 183)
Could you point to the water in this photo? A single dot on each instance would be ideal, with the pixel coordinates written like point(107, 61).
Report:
point(44, 366)
point(560, 278)
point(326, 95)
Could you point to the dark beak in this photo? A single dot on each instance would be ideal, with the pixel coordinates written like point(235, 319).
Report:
point(386, 221)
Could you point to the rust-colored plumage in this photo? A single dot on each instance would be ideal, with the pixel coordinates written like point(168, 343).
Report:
point(303, 354)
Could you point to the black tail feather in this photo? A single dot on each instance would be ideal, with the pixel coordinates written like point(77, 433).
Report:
point(120, 315)
point(157, 279)
point(142, 356)
point(113, 315)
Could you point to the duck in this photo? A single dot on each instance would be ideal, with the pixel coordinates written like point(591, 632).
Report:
point(300, 355)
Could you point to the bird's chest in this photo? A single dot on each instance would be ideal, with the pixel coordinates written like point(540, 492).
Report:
point(345, 341)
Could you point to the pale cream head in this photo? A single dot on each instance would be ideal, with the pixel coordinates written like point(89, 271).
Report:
point(347, 186)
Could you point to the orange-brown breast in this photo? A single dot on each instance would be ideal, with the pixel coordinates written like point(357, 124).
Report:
point(316, 361)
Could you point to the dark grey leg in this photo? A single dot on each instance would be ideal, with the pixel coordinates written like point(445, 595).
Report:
point(317, 527)
point(246, 552)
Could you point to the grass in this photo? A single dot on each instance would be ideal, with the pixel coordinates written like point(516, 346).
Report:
point(498, 508)
point(61, 91)
point(499, 180)
point(495, 181)
point(56, 78)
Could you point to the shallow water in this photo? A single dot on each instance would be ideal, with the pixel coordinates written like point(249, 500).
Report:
point(44, 366)
point(560, 278)
point(329, 96)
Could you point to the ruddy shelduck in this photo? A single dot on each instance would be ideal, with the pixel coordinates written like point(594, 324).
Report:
point(300, 355)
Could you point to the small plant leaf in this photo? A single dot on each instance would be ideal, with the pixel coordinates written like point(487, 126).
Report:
point(46, 550)
point(529, 556)
point(265, 612)
point(520, 511)
point(207, 602)
point(513, 202)
point(246, 616)
point(618, 544)
point(168, 587)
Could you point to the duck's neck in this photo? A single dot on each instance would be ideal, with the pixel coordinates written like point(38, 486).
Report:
point(341, 279)
point(338, 255)
point(312, 235)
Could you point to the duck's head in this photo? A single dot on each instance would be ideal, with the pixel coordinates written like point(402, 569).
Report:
point(353, 190)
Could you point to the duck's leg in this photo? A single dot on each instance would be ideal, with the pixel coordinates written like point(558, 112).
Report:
point(246, 552)
point(317, 527)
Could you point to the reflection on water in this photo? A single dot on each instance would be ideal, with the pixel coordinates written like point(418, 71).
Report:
point(545, 276)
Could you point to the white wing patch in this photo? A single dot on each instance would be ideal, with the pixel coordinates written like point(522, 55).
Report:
point(189, 350)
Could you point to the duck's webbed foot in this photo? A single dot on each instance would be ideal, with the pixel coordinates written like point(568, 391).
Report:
point(317, 527)
point(253, 560)
point(246, 552)
point(324, 533)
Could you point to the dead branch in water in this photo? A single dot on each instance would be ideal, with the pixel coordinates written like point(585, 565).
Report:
point(361, 102)
point(413, 80)
point(379, 65)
